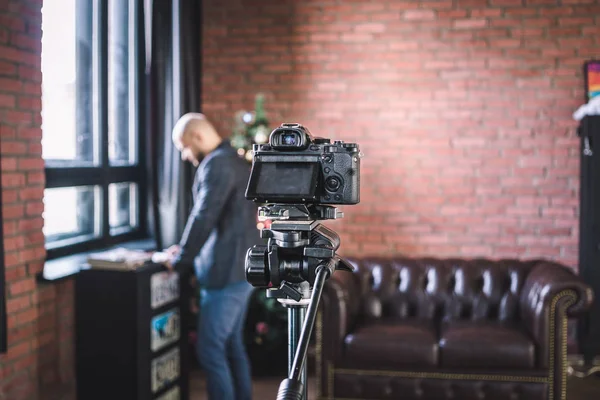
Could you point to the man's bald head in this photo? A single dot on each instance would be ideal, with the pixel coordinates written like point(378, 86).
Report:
point(192, 124)
point(193, 135)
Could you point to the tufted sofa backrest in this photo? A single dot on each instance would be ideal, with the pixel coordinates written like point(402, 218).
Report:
point(438, 289)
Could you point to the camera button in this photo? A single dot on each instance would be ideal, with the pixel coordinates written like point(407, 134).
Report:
point(328, 158)
point(327, 170)
point(338, 197)
point(332, 183)
point(314, 148)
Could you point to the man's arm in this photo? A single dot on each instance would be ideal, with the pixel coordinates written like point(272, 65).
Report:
point(215, 187)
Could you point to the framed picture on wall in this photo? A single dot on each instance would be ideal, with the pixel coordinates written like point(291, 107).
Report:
point(591, 72)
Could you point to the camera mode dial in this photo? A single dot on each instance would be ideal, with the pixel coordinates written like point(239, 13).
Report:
point(321, 141)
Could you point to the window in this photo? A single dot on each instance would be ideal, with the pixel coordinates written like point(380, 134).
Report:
point(90, 122)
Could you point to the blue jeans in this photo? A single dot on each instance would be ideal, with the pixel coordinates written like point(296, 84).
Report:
point(220, 345)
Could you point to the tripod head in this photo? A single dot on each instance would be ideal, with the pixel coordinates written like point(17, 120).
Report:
point(297, 246)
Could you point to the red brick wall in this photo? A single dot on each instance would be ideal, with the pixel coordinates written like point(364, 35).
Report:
point(462, 109)
point(40, 317)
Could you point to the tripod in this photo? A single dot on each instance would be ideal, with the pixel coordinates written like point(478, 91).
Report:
point(299, 257)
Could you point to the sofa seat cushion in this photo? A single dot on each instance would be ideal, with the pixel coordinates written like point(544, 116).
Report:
point(392, 345)
point(485, 344)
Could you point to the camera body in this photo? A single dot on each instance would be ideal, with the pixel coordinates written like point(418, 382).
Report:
point(295, 167)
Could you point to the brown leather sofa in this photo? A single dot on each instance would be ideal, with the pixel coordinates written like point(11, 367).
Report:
point(424, 328)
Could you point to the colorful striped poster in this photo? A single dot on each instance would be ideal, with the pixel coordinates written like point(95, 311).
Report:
point(593, 79)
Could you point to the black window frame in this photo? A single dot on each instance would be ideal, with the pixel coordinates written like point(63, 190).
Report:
point(104, 174)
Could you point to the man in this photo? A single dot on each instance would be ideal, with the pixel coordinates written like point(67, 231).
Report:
point(219, 231)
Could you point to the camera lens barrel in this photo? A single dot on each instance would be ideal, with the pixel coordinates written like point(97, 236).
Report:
point(257, 270)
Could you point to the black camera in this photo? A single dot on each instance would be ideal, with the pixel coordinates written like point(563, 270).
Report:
point(295, 167)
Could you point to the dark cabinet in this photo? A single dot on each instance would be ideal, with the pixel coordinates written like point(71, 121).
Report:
point(131, 341)
point(589, 233)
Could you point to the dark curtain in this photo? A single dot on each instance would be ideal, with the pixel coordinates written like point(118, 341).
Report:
point(3, 327)
point(172, 43)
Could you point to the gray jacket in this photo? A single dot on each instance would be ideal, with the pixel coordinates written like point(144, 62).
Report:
point(222, 224)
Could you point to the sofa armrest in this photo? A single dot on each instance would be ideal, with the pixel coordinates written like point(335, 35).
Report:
point(338, 311)
point(552, 293)
point(340, 305)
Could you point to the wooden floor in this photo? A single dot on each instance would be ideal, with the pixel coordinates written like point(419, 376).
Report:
point(263, 388)
point(266, 388)
point(584, 389)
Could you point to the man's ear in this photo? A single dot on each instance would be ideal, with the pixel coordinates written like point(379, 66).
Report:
point(196, 137)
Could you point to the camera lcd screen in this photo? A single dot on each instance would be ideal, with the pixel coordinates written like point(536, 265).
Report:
point(284, 180)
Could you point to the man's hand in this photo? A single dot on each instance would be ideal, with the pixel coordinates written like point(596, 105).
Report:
point(173, 250)
point(166, 257)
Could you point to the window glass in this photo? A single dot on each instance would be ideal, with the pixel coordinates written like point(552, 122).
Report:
point(121, 141)
point(71, 214)
point(67, 119)
point(122, 200)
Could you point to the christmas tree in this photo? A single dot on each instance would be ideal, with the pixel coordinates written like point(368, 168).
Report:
point(250, 127)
